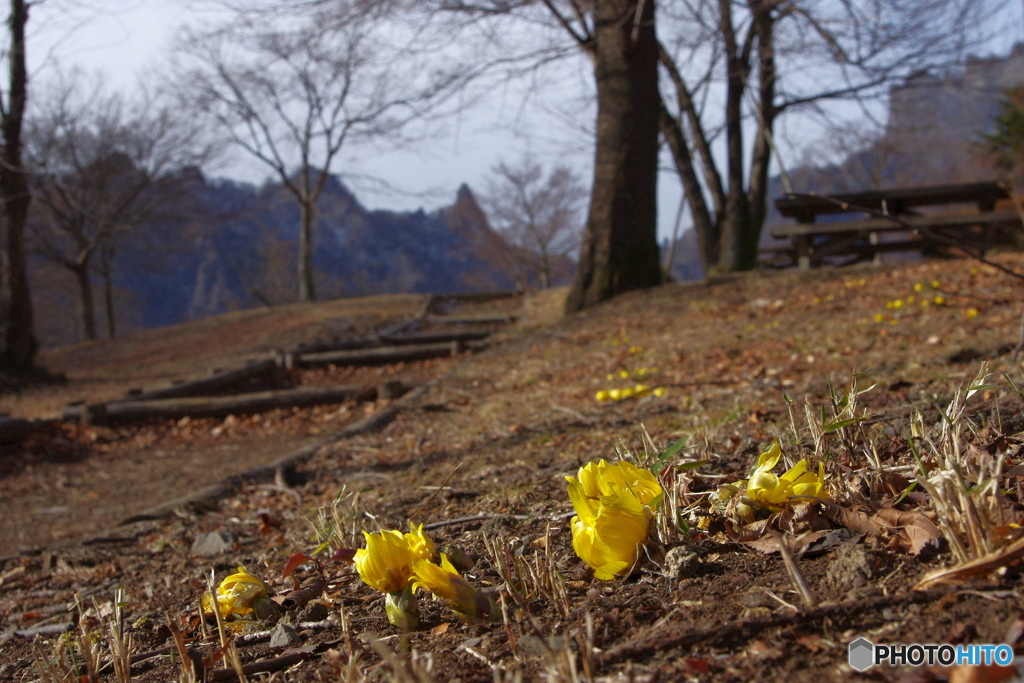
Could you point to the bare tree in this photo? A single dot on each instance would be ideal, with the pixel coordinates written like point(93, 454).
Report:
point(17, 342)
point(104, 168)
point(734, 67)
point(620, 248)
point(293, 96)
point(537, 215)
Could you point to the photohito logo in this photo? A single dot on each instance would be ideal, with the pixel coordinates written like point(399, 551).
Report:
point(863, 654)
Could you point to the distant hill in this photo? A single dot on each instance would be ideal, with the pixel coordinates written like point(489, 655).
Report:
point(240, 252)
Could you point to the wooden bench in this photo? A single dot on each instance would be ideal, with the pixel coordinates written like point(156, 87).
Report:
point(867, 236)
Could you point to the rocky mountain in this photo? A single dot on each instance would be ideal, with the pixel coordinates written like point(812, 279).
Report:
point(239, 250)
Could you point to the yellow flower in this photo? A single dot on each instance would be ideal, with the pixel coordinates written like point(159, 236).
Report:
point(939, 300)
point(918, 287)
point(447, 585)
point(936, 284)
point(636, 348)
point(971, 312)
point(603, 395)
point(602, 478)
point(775, 491)
point(879, 317)
point(659, 391)
point(613, 514)
point(386, 561)
point(236, 594)
point(624, 374)
point(615, 394)
point(641, 390)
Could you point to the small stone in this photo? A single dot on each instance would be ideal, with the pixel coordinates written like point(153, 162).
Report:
point(681, 563)
point(534, 646)
point(314, 611)
point(213, 543)
point(470, 642)
point(284, 636)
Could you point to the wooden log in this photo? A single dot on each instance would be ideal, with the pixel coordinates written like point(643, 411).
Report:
point(381, 356)
point(437, 337)
point(370, 342)
point(215, 406)
point(217, 382)
point(472, 319)
point(14, 429)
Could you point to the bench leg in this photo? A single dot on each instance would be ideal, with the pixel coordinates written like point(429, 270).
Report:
point(876, 257)
point(803, 253)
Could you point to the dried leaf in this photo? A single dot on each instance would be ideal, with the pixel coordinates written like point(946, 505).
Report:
point(440, 629)
point(982, 673)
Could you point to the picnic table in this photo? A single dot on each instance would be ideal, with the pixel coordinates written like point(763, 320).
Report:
point(975, 222)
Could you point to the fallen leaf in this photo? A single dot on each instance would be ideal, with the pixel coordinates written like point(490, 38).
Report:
point(981, 673)
point(440, 628)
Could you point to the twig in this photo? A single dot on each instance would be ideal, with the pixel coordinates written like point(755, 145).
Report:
point(794, 571)
point(437, 491)
point(261, 667)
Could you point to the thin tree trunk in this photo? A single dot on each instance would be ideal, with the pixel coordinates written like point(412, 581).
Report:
point(108, 289)
point(736, 215)
point(307, 214)
point(620, 246)
point(87, 308)
point(706, 226)
point(762, 152)
point(17, 343)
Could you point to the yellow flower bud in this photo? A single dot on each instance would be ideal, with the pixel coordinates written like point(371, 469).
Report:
point(236, 594)
point(468, 603)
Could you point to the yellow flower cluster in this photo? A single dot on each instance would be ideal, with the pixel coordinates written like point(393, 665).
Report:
point(398, 564)
point(613, 504)
point(902, 305)
point(635, 391)
point(773, 492)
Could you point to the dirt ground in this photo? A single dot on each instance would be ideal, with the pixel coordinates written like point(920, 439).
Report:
point(713, 598)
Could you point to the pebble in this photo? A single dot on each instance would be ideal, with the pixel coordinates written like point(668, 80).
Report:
point(213, 543)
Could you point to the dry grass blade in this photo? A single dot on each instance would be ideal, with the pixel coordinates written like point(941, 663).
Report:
point(120, 643)
point(981, 566)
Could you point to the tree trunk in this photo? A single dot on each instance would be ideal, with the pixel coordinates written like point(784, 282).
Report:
point(87, 306)
point(307, 214)
point(545, 270)
point(706, 226)
point(620, 247)
point(108, 289)
point(17, 343)
point(762, 152)
point(737, 212)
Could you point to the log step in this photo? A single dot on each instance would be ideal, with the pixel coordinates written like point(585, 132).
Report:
point(381, 356)
point(215, 406)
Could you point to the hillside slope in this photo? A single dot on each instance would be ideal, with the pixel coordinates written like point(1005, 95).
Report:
point(499, 432)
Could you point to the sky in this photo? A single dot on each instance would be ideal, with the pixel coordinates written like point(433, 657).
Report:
point(127, 40)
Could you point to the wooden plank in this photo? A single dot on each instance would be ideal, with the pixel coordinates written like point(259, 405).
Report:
point(217, 382)
point(215, 406)
point(938, 221)
point(381, 356)
point(984, 194)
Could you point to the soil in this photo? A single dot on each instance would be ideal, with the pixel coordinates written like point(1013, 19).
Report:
point(743, 361)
